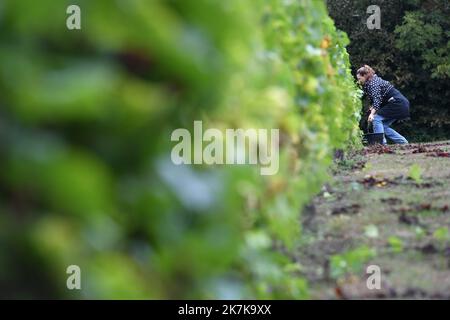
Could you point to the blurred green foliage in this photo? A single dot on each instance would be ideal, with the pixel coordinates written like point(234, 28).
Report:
point(415, 173)
point(441, 234)
point(85, 124)
point(350, 262)
point(395, 244)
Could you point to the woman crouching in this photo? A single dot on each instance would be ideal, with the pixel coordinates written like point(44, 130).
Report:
point(387, 104)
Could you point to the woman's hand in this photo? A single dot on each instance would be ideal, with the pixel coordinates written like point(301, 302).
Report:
point(372, 114)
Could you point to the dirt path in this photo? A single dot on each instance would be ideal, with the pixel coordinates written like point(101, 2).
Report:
point(379, 211)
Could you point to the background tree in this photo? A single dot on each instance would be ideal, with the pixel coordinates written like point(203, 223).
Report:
point(411, 49)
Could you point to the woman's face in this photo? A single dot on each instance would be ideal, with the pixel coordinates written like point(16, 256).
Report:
point(361, 79)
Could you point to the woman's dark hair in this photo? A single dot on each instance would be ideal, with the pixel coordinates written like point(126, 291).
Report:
point(366, 70)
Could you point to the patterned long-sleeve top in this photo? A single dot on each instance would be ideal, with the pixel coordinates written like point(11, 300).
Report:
point(376, 88)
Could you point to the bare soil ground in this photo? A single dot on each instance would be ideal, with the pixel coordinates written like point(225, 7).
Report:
point(385, 206)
